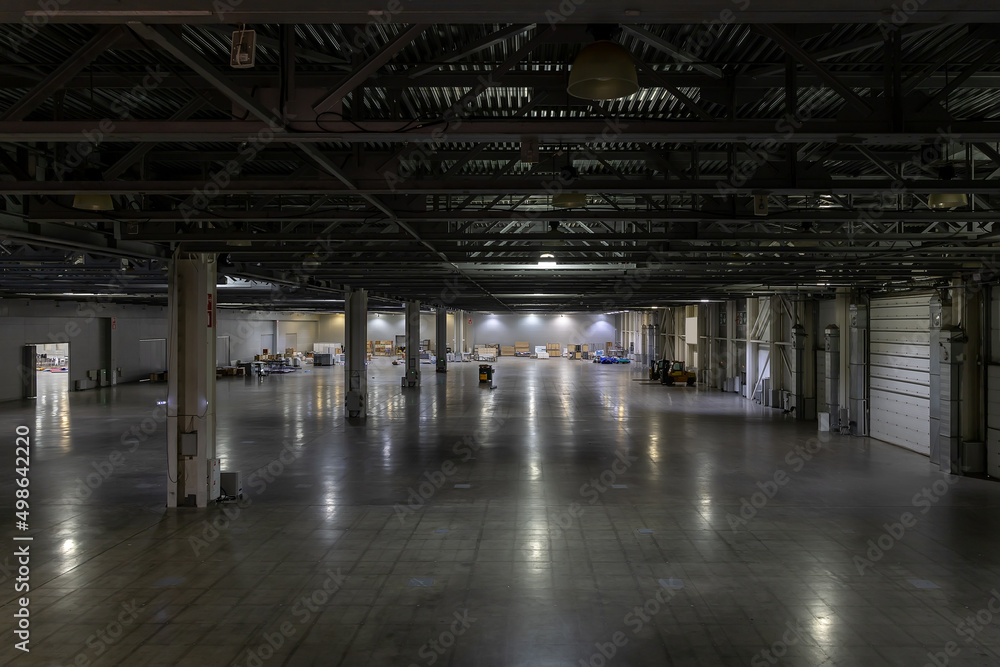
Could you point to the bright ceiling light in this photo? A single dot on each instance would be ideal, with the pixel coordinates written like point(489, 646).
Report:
point(547, 259)
point(569, 200)
point(603, 71)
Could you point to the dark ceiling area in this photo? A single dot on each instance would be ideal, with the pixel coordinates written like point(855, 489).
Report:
point(417, 153)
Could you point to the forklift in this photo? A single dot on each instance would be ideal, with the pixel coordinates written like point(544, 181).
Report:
point(671, 372)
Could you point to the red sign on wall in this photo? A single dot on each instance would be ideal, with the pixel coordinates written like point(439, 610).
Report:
point(470, 320)
point(211, 311)
point(114, 323)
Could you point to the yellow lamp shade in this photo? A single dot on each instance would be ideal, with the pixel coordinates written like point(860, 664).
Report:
point(947, 200)
point(569, 200)
point(603, 71)
point(87, 201)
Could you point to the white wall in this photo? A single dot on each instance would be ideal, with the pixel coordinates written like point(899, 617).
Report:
point(539, 329)
point(94, 345)
point(381, 326)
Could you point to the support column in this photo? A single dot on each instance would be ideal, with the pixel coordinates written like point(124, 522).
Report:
point(832, 358)
point(732, 358)
point(412, 377)
point(805, 408)
point(753, 306)
point(459, 337)
point(973, 386)
point(356, 344)
point(938, 321)
point(191, 340)
point(29, 377)
point(441, 342)
point(809, 314)
point(858, 406)
point(952, 356)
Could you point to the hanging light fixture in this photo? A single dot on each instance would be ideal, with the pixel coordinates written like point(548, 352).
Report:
point(569, 200)
point(603, 71)
point(946, 172)
point(90, 201)
point(947, 200)
point(547, 259)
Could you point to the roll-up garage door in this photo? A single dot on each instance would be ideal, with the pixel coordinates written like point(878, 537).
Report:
point(900, 371)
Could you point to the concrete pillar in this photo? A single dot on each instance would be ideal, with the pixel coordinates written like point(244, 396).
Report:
point(356, 353)
point(29, 377)
point(951, 359)
point(808, 314)
point(832, 358)
point(843, 307)
point(858, 390)
point(459, 334)
point(441, 340)
point(651, 335)
point(938, 321)
point(753, 306)
point(805, 406)
point(732, 358)
point(191, 337)
point(412, 377)
point(972, 372)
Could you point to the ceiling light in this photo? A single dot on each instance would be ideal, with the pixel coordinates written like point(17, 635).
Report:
point(947, 200)
point(547, 259)
point(569, 200)
point(87, 201)
point(603, 71)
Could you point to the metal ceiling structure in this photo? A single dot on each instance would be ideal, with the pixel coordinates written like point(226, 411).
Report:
point(415, 153)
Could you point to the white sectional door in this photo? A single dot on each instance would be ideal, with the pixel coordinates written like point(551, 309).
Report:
point(899, 371)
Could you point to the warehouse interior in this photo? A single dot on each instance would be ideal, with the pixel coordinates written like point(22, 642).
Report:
point(541, 334)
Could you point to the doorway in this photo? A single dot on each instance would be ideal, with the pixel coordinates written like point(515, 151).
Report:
point(51, 371)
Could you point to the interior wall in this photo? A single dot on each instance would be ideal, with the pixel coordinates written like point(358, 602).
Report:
point(539, 329)
point(109, 336)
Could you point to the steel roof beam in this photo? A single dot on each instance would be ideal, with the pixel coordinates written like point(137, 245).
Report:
point(44, 89)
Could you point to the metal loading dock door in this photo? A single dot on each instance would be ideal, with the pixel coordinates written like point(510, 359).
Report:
point(899, 389)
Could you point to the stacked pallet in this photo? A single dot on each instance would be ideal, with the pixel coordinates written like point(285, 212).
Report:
point(553, 349)
point(522, 348)
point(507, 351)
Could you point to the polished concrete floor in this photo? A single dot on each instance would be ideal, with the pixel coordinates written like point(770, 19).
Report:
point(574, 515)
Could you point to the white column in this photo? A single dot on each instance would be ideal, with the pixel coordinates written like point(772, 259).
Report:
point(191, 379)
